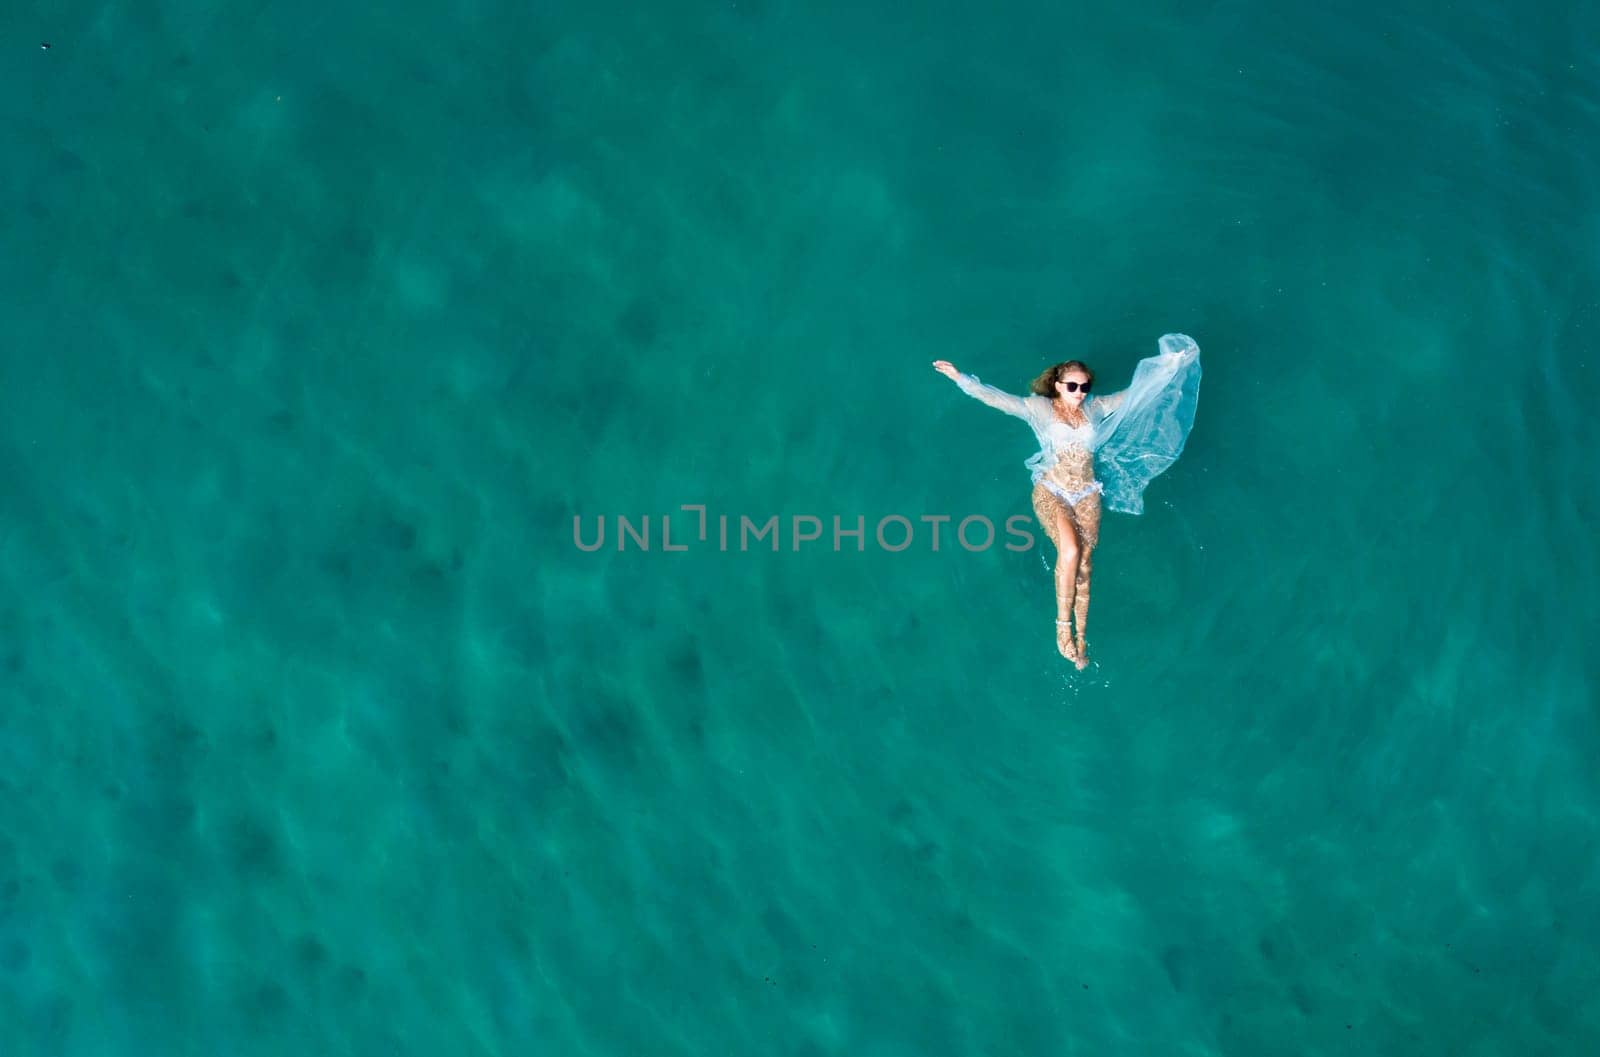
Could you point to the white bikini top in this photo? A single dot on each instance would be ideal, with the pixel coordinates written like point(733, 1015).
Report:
point(1054, 437)
point(1064, 435)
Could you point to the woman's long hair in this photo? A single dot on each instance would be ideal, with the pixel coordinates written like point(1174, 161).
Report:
point(1045, 384)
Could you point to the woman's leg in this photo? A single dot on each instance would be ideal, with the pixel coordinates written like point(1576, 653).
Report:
point(1087, 515)
point(1068, 558)
point(1080, 610)
point(1056, 521)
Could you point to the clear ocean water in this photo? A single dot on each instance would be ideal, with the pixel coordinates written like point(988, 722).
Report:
point(322, 323)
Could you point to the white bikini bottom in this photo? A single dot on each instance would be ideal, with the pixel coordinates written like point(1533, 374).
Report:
point(1072, 497)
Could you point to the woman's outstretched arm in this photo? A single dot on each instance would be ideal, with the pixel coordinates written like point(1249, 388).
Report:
point(1109, 402)
point(998, 399)
point(1176, 351)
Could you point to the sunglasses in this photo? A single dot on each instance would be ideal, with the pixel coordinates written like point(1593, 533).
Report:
point(1073, 387)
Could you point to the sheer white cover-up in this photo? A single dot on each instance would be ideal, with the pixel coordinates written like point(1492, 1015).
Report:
point(1134, 434)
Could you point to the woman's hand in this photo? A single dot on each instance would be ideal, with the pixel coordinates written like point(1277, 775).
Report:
point(946, 368)
point(1178, 349)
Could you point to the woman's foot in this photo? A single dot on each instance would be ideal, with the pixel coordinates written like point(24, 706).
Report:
point(1065, 643)
point(1081, 648)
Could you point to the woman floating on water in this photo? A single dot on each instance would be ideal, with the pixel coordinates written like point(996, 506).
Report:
point(1130, 436)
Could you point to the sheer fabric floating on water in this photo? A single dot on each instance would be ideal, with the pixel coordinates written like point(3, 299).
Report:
point(1146, 433)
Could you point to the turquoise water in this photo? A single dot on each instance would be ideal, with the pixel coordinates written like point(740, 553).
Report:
point(319, 734)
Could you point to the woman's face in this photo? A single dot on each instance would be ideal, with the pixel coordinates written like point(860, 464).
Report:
point(1074, 398)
